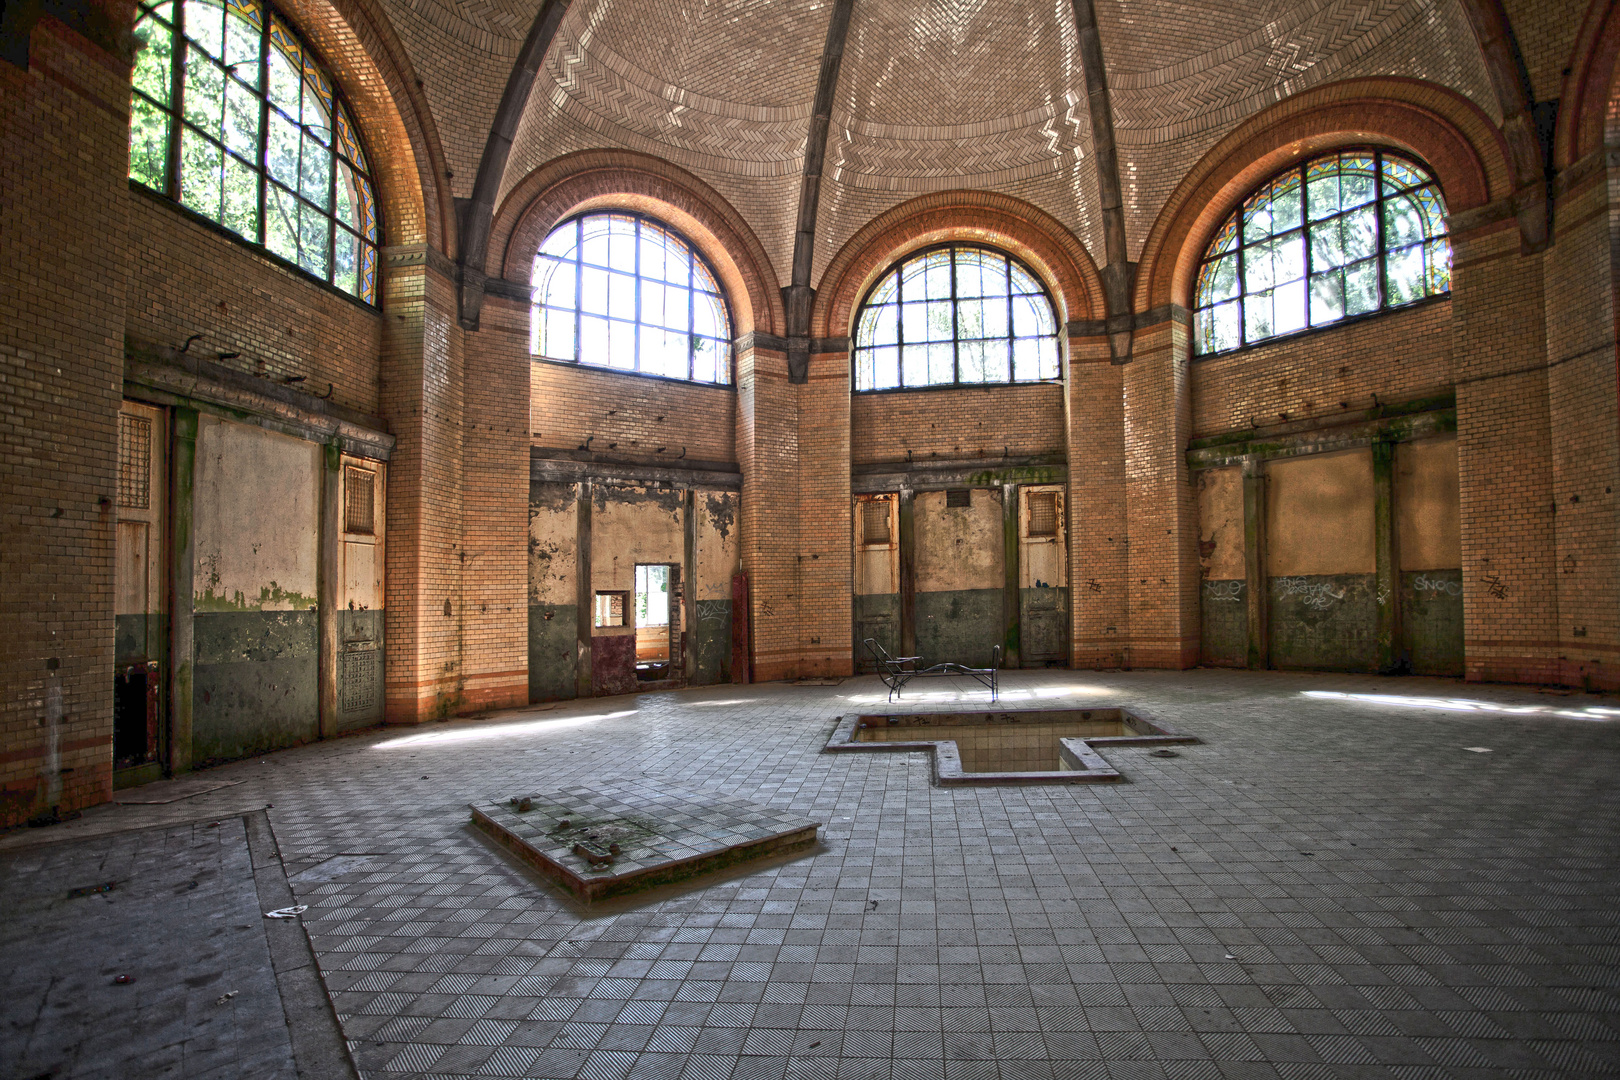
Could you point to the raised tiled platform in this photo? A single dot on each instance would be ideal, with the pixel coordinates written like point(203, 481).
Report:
point(663, 834)
point(1028, 746)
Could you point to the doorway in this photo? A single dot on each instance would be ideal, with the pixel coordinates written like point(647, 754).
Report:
point(657, 622)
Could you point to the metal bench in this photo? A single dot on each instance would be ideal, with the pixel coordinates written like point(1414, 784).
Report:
point(896, 671)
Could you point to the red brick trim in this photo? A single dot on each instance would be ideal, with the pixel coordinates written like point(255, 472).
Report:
point(1589, 97)
point(1454, 136)
point(600, 179)
point(1028, 232)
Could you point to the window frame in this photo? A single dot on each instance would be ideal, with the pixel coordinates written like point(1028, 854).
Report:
point(179, 124)
point(1380, 257)
point(895, 266)
point(696, 253)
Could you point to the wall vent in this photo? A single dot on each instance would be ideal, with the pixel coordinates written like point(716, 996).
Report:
point(359, 500)
point(1043, 518)
point(360, 671)
point(958, 498)
point(134, 462)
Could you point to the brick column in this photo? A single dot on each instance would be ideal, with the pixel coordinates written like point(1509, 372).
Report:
point(1582, 420)
point(768, 453)
point(1504, 459)
point(495, 463)
point(64, 123)
point(826, 610)
point(1098, 533)
point(1162, 569)
point(423, 379)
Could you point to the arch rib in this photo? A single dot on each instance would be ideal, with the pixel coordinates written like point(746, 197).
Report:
point(475, 214)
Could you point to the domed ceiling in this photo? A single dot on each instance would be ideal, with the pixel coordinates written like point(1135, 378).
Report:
point(931, 95)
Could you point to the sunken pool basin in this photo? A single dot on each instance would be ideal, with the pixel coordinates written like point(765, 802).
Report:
point(1029, 746)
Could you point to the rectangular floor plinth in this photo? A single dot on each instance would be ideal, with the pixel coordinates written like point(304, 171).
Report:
point(664, 833)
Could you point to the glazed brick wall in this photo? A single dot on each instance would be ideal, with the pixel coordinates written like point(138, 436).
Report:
point(980, 422)
point(1162, 576)
point(1504, 448)
point(63, 123)
point(422, 389)
point(571, 404)
point(493, 608)
point(1582, 412)
point(826, 561)
point(1098, 531)
point(188, 278)
point(1399, 355)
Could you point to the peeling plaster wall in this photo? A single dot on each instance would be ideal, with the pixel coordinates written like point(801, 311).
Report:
point(960, 578)
point(1224, 632)
point(553, 591)
point(1428, 524)
point(257, 514)
point(718, 555)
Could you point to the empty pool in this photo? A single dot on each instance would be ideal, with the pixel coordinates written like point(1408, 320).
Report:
point(1041, 746)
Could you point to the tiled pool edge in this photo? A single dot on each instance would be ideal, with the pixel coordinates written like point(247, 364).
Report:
point(1088, 766)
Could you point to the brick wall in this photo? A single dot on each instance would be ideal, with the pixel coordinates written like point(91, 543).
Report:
point(1582, 422)
point(628, 415)
point(1399, 356)
point(192, 279)
point(981, 422)
point(64, 124)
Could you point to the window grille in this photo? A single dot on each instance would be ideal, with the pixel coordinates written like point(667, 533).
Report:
point(359, 500)
point(955, 316)
point(875, 522)
point(1342, 235)
point(134, 462)
point(959, 498)
point(1043, 517)
point(233, 117)
point(622, 291)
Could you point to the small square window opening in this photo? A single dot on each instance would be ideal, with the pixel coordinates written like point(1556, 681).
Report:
point(359, 501)
point(875, 522)
point(1043, 518)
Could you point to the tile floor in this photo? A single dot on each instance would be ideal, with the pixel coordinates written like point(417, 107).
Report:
point(1331, 885)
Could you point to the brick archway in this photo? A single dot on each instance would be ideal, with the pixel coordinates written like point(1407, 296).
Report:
point(1034, 236)
point(603, 179)
point(1454, 136)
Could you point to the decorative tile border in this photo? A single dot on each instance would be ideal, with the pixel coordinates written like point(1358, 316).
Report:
point(1082, 763)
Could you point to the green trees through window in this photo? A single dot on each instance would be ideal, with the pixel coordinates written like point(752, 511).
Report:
point(955, 315)
point(235, 119)
point(1341, 235)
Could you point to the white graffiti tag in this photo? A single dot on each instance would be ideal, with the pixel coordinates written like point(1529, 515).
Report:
point(1424, 583)
point(1314, 594)
point(1231, 591)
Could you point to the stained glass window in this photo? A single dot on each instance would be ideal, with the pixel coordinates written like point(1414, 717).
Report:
point(619, 290)
point(233, 117)
point(1341, 235)
point(955, 316)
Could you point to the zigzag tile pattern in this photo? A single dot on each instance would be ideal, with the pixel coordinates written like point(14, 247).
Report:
point(1425, 39)
point(621, 79)
point(958, 94)
point(463, 67)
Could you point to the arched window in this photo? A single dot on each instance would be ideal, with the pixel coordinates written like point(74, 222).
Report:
point(1338, 236)
point(234, 118)
point(618, 290)
point(956, 315)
